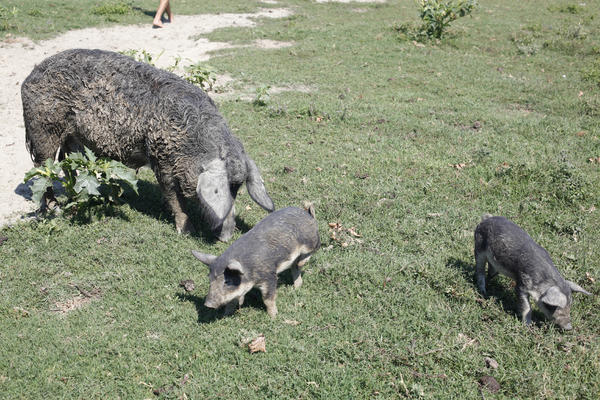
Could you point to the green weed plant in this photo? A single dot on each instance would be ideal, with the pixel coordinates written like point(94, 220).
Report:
point(112, 8)
point(85, 178)
point(201, 75)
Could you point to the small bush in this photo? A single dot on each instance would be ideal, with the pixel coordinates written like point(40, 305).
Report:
point(141, 56)
point(6, 17)
point(112, 8)
point(436, 15)
point(262, 95)
point(201, 75)
point(85, 178)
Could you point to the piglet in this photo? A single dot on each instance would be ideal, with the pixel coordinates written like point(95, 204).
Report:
point(509, 250)
point(284, 239)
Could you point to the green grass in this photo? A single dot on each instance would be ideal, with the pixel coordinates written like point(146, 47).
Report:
point(384, 143)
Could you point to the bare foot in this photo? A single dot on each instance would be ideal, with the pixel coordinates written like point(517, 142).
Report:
point(157, 24)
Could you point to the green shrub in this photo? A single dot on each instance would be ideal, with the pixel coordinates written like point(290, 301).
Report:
point(6, 16)
point(201, 75)
point(140, 55)
point(86, 179)
point(112, 8)
point(436, 16)
point(262, 95)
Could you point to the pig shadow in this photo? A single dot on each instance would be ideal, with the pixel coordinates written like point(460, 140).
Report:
point(206, 315)
point(149, 201)
point(494, 288)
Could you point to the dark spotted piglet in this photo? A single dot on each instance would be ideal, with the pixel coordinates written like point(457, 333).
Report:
point(509, 250)
point(284, 239)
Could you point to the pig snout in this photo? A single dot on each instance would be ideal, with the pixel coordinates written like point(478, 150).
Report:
point(210, 303)
point(225, 231)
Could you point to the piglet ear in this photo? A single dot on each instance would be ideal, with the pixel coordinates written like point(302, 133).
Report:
point(236, 266)
point(554, 297)
point(256, 187)
point(205, 258)
point(213, 192)
point(576, 288)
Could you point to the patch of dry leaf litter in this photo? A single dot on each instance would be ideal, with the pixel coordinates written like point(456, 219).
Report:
point(82, 299)
point(344, 237)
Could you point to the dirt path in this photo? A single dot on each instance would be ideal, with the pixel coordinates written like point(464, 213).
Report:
point(18, 56)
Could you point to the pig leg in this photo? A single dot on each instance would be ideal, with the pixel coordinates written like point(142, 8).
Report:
point(296, 273)
point(269, 295)
point(492, 272)
point(480, 260)
point(524, 306)
point(175, 202)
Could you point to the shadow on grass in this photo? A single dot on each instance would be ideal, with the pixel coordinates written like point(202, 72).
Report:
point(494, 288)
point(206, 315)
point(149, 13)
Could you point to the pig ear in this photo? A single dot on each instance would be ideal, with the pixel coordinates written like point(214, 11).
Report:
point(256, 187)
point(576, 288)
point(554, 297)
point(213, 192)
point(236, 266)
point(205, 258)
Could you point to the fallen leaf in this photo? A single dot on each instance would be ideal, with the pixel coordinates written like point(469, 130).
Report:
point(589, 277)
point(490, 363)
point(489, 383)
point(458, 166)
point(291, 322)
point(288, 170)
point(581, 133)
point(188, 285)
point(353, 232)
point(21, 311)
point(335, 225)
point(319, 169)
point(361, 175)
point(580, 93)
point(476, 125)
point(257, 345)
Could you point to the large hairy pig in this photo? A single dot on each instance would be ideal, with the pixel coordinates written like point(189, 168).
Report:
point(137, 114)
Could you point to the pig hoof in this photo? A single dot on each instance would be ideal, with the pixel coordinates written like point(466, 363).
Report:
point(298, 283)
point(225, 237)
point(185, 228)
point(272, 312)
